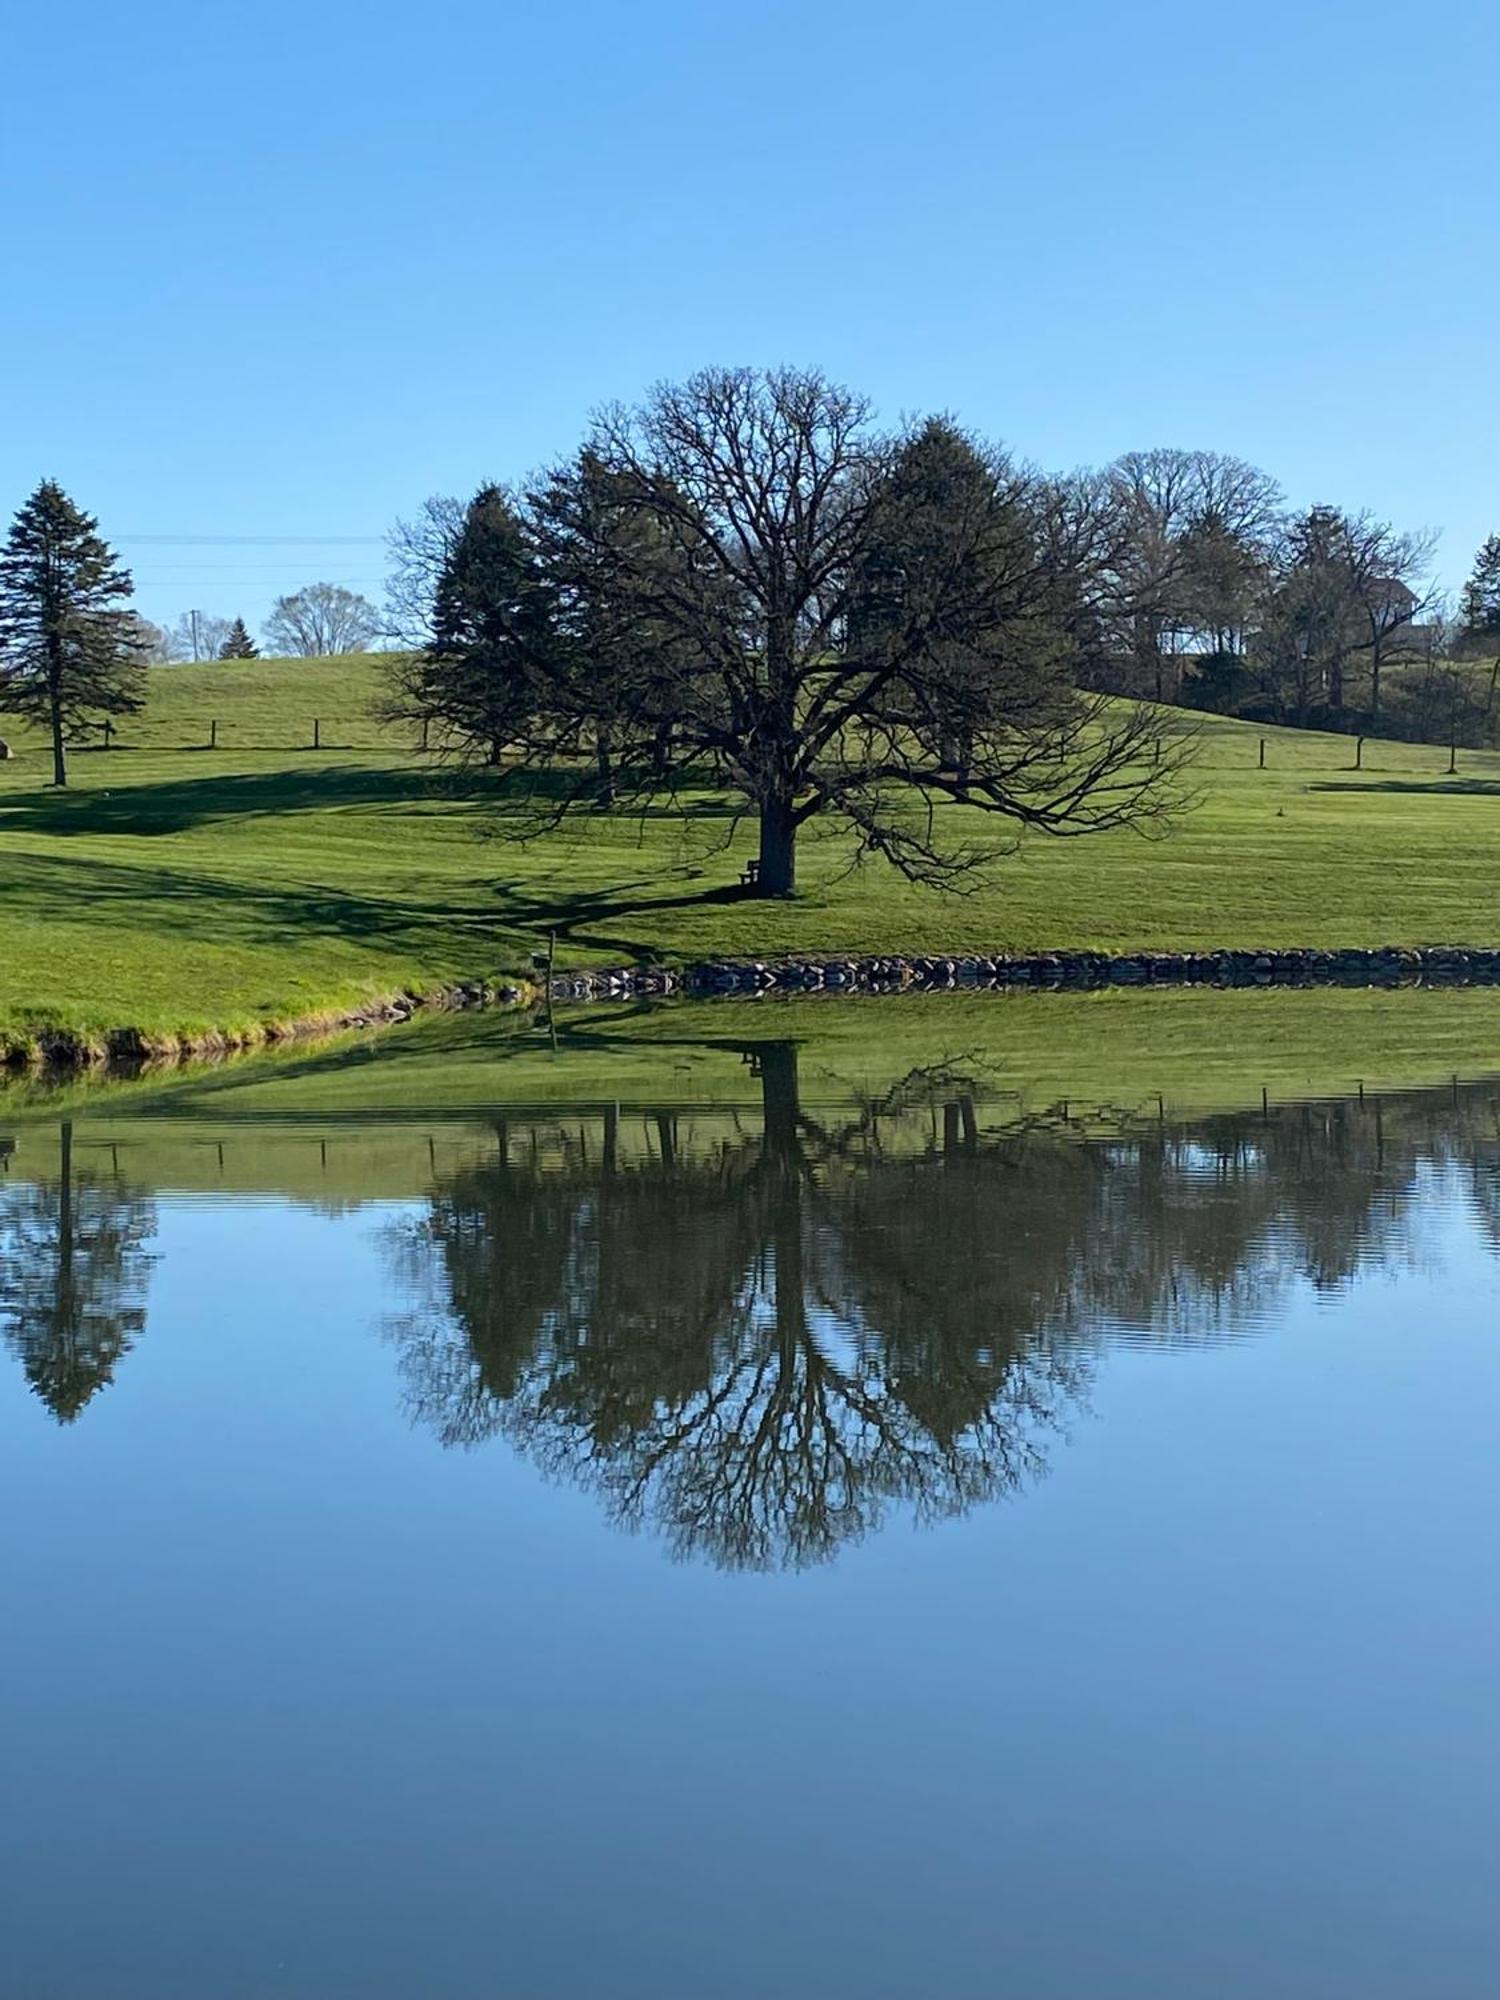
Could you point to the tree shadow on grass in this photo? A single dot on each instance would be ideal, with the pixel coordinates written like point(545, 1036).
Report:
point(519, 801)
point(576, 918)
point(463, 932)
point(1439, 787)
point(161, 901)
point(181, 804)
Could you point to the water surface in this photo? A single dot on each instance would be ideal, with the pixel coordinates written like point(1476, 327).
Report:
point(751, 1541)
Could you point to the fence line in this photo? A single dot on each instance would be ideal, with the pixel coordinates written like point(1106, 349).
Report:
point(1287, 754)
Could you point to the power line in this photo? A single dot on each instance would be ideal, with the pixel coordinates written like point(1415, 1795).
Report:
point(332, 574)
point(254, 541)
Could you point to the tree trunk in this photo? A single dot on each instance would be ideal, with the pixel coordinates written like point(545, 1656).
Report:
point(781, 1104)
point(497, 751)
point(59, 754)
point(778, 847)
point(604, 759)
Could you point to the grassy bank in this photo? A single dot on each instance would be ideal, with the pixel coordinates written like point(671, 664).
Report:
point(1132, 1052)
point(177, 888)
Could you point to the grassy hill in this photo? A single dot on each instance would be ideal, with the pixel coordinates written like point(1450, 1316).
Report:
point(177, 888)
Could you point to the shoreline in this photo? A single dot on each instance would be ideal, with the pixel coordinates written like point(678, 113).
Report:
point(65, 1050)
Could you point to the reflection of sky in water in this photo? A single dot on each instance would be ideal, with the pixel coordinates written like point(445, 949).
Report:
point(303, 1703)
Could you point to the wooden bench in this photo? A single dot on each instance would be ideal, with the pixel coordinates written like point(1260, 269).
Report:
point(750, 875)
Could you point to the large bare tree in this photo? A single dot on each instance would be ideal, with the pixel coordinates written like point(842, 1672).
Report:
point(833, 619)
point(321, 619)
point(420, 549)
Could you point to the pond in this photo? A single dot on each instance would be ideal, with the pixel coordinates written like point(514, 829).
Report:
point(681, 1523)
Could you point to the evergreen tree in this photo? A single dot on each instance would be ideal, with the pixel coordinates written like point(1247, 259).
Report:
point(480, 678)
point(67, 653)
point(1481, 601)
point(239, 645)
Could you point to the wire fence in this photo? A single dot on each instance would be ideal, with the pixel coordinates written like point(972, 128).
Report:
point(1286, 751)
point(1219, 745)
point(286, 734)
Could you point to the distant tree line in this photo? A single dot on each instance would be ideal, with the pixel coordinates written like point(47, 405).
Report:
point(1177, 576)
point(311, 623)
point(747, 581)
point(746, 578)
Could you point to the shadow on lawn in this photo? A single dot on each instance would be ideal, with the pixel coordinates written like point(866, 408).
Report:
point(574, 917)
point(56, 890)
point(468, 935)
point(466, 930)
point(1439, 787)
point(521, 801)
point(183, 803)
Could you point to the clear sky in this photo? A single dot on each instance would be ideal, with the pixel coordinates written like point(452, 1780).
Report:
point(284, 270)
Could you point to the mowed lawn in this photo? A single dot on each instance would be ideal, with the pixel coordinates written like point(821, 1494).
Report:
point(178, 888)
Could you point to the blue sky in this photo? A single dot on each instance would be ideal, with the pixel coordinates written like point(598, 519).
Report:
point(283, 270)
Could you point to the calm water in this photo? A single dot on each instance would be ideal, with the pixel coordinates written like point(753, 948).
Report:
point(885, 1548)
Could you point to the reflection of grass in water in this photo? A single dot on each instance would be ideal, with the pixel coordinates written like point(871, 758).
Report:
point(321, 1121)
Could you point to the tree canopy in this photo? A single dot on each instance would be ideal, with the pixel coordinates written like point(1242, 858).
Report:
point(1480, 615)
point(479, 676)
point(321, 619)
point(820, 616)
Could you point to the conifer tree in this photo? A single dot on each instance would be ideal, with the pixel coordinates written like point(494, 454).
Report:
point(68, 653)
point(239, 645)
point(1481, 599)
point(482, 677)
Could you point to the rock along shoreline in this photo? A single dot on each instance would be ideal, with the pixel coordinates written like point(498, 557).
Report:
point(883, 973)
point(1387, 965)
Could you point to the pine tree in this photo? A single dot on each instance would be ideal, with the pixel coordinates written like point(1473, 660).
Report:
point(482, 676)
point(239, 645)
point(67, 654)
point(1481, 600)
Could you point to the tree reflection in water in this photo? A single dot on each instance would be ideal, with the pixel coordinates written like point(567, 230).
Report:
point(756, 1346)
point(699, 1340)
point(73, 1277)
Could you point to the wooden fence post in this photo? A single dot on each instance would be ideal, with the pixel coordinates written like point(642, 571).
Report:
point(317, 733)
point(1263, 753)
point(1359, 753)
point(213, 734)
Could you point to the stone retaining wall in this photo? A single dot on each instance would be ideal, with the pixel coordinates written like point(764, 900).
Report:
point(1391, 965)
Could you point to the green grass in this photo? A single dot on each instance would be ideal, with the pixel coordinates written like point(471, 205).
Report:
point(176, 889)
point(380, 1115)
